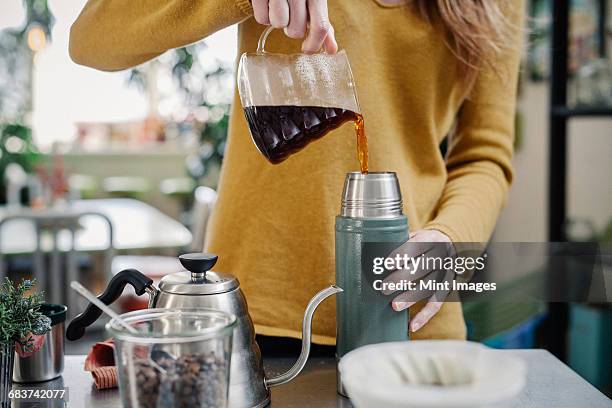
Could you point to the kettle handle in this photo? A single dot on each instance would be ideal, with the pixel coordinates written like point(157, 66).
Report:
point(140, 282)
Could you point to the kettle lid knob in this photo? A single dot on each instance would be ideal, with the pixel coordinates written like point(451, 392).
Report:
point(198, 279)
point(198, 263)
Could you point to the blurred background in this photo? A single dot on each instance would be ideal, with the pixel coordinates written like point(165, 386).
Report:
point(103, 171)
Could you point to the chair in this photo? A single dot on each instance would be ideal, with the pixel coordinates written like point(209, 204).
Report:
point(205, 199)
point(54, 234)
point(180, 189)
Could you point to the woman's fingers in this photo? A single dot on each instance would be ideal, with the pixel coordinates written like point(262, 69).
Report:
point(330, 45)
point(412, 249)
point(260, 11)
point(404, 300)
point(433, 306)
point(425, 315)
point(426, 245)
point(278, 13)
point(405, 275)
point(319, 26)
point(434, 291)
point(399, 306)
point(298, 16)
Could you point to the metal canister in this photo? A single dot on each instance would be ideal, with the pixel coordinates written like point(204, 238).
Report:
point(371, 212)
point(48, 362)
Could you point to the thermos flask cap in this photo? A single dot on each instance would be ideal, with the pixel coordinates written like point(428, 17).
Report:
point(371, 195)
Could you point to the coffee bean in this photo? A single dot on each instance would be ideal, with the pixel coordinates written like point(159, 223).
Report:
point(195, 380)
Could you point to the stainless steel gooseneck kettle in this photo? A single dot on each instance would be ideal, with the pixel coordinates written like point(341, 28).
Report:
point(198, 286)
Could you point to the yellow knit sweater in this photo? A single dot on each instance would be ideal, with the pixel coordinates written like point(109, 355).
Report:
point(273, 225)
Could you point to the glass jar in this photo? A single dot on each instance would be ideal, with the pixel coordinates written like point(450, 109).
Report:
point(178, 357)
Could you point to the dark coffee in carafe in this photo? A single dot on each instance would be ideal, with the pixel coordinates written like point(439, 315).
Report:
point(290, 100)
point(280, 131)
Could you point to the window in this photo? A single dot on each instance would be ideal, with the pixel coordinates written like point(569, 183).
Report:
point(65, 94)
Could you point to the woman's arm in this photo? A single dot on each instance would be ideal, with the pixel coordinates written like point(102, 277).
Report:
point(112, 35)
point(480, 151)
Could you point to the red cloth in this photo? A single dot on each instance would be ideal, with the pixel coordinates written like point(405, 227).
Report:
point(105, 377)
point(101, 363)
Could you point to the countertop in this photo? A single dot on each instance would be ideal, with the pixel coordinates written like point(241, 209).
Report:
point(550, 383)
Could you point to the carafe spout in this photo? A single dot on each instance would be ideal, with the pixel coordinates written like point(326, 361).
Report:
point(306, 337)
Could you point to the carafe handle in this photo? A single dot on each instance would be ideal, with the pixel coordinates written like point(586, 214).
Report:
point(140, 282)
point(261, 44)
point(262, 40)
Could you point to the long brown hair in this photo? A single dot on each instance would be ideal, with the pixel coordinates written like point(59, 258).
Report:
point(478, 31)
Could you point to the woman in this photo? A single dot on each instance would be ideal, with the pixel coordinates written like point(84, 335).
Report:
point(424, 69)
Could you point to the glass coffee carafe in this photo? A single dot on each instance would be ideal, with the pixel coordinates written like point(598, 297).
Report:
point(290, 100)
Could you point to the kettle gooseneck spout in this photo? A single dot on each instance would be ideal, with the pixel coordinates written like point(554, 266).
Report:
point(306, 337)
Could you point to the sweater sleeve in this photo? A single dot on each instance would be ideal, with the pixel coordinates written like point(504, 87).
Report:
point(112, 35)
point(480, 150)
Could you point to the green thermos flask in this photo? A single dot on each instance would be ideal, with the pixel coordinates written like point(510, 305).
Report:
point(371, 215)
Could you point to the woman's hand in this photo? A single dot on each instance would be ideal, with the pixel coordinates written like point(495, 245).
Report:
point(297, 17)
point(430, 243)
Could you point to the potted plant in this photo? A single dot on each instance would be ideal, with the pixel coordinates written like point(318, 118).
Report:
point(22, 328)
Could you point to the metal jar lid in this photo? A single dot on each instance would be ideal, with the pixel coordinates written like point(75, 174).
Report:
point(198, 279)
point(371, 195)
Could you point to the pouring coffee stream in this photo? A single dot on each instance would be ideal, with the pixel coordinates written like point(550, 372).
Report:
point(362, 145)
point(199, 287)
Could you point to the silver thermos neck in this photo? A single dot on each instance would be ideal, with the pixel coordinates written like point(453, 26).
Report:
point(371, 195)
